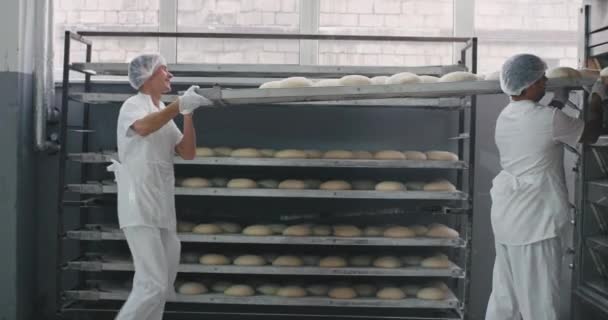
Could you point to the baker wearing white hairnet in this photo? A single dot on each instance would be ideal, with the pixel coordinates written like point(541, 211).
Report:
point(529, 196)
point(147, 139)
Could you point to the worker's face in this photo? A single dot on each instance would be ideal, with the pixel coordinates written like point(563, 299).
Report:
point(536, 91)
point(161, 80)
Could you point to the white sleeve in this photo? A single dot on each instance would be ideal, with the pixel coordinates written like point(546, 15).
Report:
point(567, 129)
point(129, 113)
point(178, 135)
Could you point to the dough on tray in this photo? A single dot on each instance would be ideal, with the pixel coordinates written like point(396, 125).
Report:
point(379, 80)
point(207, 228)
point(271, 85)
point(298, 230)
point(290, 154)
point(222, 151)
point(288, 261)
point(229, 227)
point(457, 76)
point(291, 292)
point(257, 230)
point(321, 230)
point(292, 184)
point(242, 183)
point(414, 155)
point(246, 153)
point(204, 152)
point(373, 231)
point(441, 185)
point(213, 259)
point(318, 290)
point(268, 184)
point(390, 293)
point(268, 289)
point(342, 293)
point(295, 82)
point(338, 154)
point(335, 185)
point(442, 231)
point(441, 156)
point(195, 183)
point(431, 294)
point(390, 186)
point(240, 290)
point(389, 155)
point(403, 78)
point(399, 232)
point(327, 83)
point(192, 288)
point(333, 262)
point(346, 231)
point(428, 79)
point(387, 262)
point(355, 80)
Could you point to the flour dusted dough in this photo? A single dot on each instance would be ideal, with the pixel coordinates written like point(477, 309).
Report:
point(389, 262)
point(403, 78)
point(431, 294)
point(338, 154)
point(390, 293)
point(204, 152)
point(249, 260)
point(399, 232)
point(291, 292)
point(333, 262)
point(441, 156)
point(442, 231)
point(389, 155)
point(295, 82)
point(390, 186)
point(242, 183)
point(360, 261)
point(363, 155)
point(213, 259)
point(335, 185)
point(246, 153)
point(290, 154)
point(271, 85)
point(435, 262)
point(288, 261)
point(563, 72)
point(442, 185)
point(207, 228)
point(292, 184)
point(195, 183)
point(458, 76)
point(328, 83)
point(192, 288)
point(257, 230)
point(414, 155)
point(355, 80)
point(346, 231)
point(321, 230)
point(428, 79)
point(379, 80)
point(298, 230)
point(342, 293)
point(240, 290)
point(222, 151)
point(419, 230)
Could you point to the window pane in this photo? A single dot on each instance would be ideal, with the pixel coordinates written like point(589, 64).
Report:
point(236, 16)
point(386, 17)
point(547, 28)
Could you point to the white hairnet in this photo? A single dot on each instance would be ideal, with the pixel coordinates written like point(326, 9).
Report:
point(604, 72)
point(142, 67)
point(519, 72)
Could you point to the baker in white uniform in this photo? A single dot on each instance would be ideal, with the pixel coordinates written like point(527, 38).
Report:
point(529, 196)
point(147, 140)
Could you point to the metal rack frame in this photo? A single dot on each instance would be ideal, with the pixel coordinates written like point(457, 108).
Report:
point(459, 97)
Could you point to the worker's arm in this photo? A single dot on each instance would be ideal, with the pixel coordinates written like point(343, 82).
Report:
point(155, 120)
point(593, 125)
point(186, 148)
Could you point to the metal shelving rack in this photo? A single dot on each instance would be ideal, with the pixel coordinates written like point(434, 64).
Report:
point(452, 97)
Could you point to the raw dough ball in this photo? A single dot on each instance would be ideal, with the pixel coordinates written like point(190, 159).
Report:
point(277, 228)
point(333, 262)
point(390, 186)
point(257, 230)
point(214, 260)
point(412, 261)
point(338, 154)
point(360, 261)
point(268, 184)
point(373, 231)
point(321, 230)
point(221, 286)
point(288, 261)
point(439, 285)
point(222, 151)
point(184, 226)
point(249, 260)
point(390, 293)
point(355, 80)
point(318, 290)
point(229, 227)
point(431, 294)
point(290, 154)
point(313, 154)
point(365, 290)
point(268, 289)
point(295, 82)
point(414, 155)
point(403, 78)
point(563, 72)
point(271, 85)
point(415, 186)
point(246, 153)
point(310, 260)
point(492, 76)
point(291, 292)
point(335, 185)
point(195, 183)
point(363, 155)
point(192, 288)
point(346, 231)
point(312, 184)
point(441, 156)
point(207, 228)
point(342, 293)
point(419, 230)
point(189, 257)
point(458, 76)
point(442, 231)
point(204, 152)
point(442, 185)
point(389, 155)
point(242, 183)
point(292, 184)
point(364, 185)
point(379, 80)
point(267, 153)
point(399, 232)
point(240, 290)
point(435, 262)
point(387, 262)
point(219, 182)
point(298, 230)
point(428, 79)
point(328, 83)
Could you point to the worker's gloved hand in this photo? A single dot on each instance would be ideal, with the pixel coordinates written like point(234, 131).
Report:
point(191, 100)
point(560, 98)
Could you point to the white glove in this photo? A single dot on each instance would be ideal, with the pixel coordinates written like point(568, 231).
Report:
point(191, 100)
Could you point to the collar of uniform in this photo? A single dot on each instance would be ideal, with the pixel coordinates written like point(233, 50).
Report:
point(148, 99)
